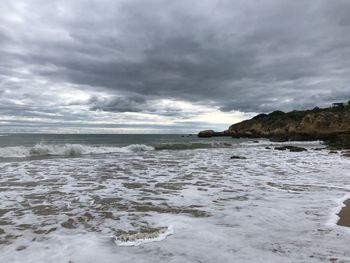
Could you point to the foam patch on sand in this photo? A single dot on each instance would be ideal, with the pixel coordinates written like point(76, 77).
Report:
point(143, 237)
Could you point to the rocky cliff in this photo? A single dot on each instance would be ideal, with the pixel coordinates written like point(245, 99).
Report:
point(316, 124)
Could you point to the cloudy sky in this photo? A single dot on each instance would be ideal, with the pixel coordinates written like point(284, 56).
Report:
point(161, 66)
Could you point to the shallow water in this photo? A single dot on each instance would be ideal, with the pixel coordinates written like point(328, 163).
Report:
point(274, 206)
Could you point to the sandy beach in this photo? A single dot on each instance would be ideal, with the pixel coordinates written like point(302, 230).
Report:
point(344, 215)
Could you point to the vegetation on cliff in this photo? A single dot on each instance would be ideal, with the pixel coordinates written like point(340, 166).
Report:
point(330, 124)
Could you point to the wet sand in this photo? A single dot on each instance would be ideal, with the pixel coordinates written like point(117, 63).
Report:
point(344, 215)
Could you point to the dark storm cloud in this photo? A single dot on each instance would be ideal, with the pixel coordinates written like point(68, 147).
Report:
point(134, 104)
point(249, 56)
point(117, 104)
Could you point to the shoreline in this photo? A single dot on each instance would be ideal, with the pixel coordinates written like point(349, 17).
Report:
point(344, 214)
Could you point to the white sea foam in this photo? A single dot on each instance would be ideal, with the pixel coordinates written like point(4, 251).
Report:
point(137, 148)
point(269, 143)
point(245, 219)
point(15, 151)
point(67, 150)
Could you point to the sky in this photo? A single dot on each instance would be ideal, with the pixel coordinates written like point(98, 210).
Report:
point(161, 66)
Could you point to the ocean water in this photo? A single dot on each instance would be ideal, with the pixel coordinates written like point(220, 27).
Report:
point(168, 198)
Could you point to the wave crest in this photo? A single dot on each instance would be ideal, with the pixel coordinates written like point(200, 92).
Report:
point(70, 150)
point(67, 150)
point(138, 148)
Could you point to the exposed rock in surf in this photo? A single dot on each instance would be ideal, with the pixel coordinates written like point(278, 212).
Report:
point(20, 248)
point(296, 149)
point(346, 153)
point(143, 234)
point(281, 148)
point(206, 133)
point(211, 133)
point(70, 224)
point(319, 148)
point(135, 238)
point(237, 157)
point(291, 148)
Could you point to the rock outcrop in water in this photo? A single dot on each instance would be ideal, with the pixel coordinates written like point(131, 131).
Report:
point(211, 133)
point(317, 124)
point(291, 148)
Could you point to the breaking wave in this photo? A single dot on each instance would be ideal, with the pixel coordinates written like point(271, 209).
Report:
point(191, 146)
point(137, 148)
point(66, 150)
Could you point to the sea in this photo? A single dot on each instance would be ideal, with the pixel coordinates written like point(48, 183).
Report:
point(169, 198)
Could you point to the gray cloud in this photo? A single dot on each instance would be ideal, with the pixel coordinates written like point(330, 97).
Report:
point(118, 104)
point(135, 104)
point(250, 56)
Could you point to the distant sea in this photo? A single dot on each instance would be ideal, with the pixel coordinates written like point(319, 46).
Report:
point(169, 198)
